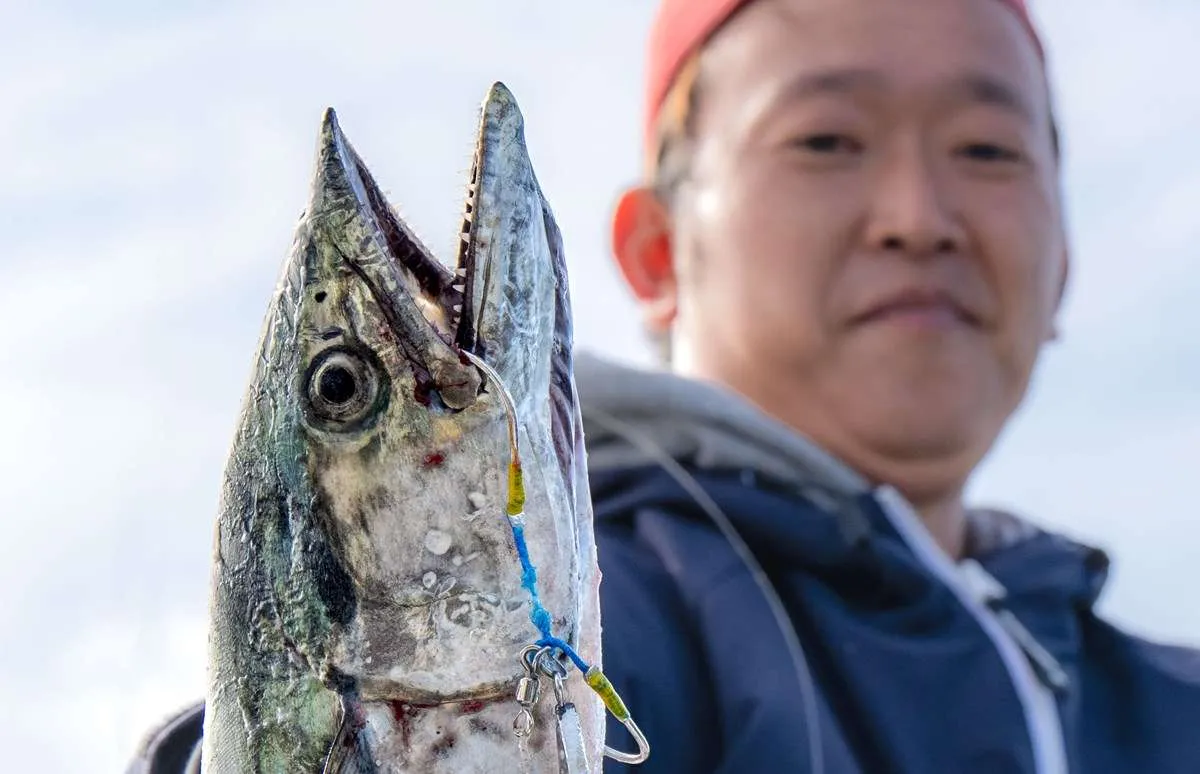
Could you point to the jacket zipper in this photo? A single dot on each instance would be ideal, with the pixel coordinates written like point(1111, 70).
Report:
point(992, 594)
point(1034, 672)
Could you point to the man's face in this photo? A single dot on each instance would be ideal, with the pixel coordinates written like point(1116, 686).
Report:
point(869, 243)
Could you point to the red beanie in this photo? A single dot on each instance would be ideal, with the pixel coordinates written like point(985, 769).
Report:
point(681, 26)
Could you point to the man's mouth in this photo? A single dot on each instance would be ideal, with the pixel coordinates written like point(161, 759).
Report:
point(919, 307)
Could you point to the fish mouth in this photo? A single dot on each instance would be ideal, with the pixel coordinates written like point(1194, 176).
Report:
point(421, 299)
point(504, 302)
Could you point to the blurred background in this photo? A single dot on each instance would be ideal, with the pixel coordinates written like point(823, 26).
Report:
point(156, 156)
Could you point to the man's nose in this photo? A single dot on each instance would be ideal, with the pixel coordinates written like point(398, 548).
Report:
point(911, 212)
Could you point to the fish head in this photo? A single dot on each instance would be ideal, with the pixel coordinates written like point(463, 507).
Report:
point(402, 449)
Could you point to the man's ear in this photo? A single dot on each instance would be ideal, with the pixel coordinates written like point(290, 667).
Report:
point(641, 244)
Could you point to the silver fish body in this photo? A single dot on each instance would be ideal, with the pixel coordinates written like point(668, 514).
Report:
point(367, 610)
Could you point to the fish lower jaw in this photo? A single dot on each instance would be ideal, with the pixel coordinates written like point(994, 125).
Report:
point(435, 649)
point(468, 675)
point(416, 690)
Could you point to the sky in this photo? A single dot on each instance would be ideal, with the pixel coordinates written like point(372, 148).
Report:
point(156, 159)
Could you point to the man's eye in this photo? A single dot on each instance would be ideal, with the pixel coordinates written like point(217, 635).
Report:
point(986, 151)
point(827, 143)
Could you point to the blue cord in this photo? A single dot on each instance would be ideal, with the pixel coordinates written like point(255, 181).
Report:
point(538, 614)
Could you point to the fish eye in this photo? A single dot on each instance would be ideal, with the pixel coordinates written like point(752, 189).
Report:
point(343, 388)
point(337, 385)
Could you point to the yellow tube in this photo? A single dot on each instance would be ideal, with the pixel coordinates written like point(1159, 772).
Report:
point(608, 694)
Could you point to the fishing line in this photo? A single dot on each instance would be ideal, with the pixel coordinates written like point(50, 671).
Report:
point(808, 688)
point(515, 508)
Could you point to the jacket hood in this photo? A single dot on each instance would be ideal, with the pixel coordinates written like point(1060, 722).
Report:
point(706, 427)
point(699, 423)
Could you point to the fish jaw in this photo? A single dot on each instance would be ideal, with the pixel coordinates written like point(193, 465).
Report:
point(358, 231)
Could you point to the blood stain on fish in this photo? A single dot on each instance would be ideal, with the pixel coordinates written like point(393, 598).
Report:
point(403, 713)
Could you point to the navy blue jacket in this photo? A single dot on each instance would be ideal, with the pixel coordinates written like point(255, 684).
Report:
point(903, 676)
